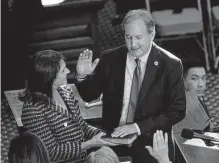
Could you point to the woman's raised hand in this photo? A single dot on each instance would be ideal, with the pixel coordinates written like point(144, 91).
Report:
point(85, 66)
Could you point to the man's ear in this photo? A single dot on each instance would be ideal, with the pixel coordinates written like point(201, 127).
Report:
point(153, 35)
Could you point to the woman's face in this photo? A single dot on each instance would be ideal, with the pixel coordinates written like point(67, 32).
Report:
point(61, 77)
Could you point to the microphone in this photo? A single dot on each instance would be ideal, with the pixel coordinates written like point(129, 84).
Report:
point(189, 134)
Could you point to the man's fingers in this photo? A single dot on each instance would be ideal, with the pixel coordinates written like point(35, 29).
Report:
point(85, 54)
point(90, 54)
point(166, 139)
point(80, 56)
point(124, 134)
point(118, 133)
point(95, 63)
point(160, 138)
point(155, 141)
point(149, 149)
point(119, 128)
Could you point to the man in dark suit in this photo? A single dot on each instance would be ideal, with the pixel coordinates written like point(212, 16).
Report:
point(142, 85)
point(195, 81)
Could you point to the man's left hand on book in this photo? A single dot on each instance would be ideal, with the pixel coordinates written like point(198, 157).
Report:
point(124, 130)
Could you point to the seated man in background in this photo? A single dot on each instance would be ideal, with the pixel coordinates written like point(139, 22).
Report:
point(195, 81)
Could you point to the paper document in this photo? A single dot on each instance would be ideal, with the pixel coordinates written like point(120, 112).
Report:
point(15, 104)
point(199, 143)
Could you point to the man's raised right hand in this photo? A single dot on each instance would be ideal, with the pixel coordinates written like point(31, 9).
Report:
point(85, 66)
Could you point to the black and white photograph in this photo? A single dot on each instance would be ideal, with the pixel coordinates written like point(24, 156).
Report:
point(109, 81)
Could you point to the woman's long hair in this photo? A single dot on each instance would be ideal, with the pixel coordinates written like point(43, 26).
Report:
point(28, 148)
point(43, 69)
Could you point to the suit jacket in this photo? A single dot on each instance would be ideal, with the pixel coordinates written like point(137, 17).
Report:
point(207, 112)
point(61, 131)
point(162, 101)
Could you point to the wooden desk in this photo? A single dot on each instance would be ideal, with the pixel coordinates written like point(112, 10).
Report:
point(196, 154)
point(196, 118)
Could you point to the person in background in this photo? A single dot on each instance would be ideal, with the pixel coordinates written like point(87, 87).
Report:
point(160, 147)
point(103, 155)
point(195, 80)
point(28, 148)
point(142, 86)
point(51, 111)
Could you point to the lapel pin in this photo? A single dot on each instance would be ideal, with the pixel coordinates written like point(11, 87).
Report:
point(65, 124)
point(156, 63)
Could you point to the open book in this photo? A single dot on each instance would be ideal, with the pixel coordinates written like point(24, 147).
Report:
point(126, 140)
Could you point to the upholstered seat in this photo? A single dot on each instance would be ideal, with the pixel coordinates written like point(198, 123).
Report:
point(170, 23)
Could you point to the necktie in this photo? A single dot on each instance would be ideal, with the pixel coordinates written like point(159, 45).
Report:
point(135, 89)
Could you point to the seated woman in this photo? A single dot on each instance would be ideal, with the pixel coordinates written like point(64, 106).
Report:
point(27, 148)
point(51, 111)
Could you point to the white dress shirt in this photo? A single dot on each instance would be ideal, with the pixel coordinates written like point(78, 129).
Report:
point(129, 72)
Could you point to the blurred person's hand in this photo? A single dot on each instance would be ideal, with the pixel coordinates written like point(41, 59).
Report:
point(160, 147)
point(124, 130)
point(85, 66)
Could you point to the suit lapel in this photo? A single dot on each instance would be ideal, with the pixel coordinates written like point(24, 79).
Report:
point(71, 103)
point(120, 70)
point(59, 109)
point(153, 64)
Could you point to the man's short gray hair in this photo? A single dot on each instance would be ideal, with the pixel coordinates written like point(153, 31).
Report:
point(142, 14)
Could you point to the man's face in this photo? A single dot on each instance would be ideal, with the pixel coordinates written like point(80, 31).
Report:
point(195, 80)
point(137, 38)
